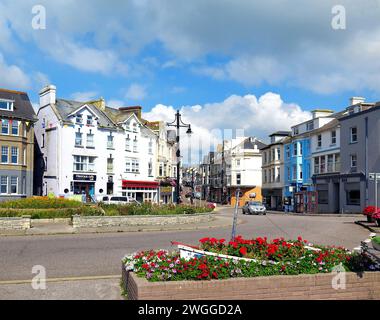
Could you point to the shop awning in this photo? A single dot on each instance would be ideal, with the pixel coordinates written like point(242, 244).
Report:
point(139, 184)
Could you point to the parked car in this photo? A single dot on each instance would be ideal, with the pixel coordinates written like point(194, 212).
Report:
point(110, 199)
point(254, 207)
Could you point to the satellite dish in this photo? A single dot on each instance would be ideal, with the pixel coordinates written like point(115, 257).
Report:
point(252, 195)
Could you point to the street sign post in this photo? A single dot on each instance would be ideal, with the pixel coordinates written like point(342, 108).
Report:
point(375, 176)
point(237, 196)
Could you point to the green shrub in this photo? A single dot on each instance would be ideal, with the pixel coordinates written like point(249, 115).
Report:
point(41, 203)
point(52, 213)
point(376, 239)
point(151, 209)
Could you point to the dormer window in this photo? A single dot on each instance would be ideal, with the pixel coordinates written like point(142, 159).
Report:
point(310, 126)
point(6, 105)
point(78, 118)
point(128, 126)
point(90, 120)
point(134, 127)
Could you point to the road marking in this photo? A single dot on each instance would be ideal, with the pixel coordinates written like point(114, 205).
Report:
point(62, 279)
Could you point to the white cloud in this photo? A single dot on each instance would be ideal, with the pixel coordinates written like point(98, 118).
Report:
point(136, 92)
point(245, 114)
point(115, 103)
point(13, 77)
point(271, 41)
point(84, 95)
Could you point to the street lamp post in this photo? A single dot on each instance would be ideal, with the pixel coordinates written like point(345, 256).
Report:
point(178, 123)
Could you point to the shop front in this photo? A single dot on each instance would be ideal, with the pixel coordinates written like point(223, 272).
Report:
point(84, 184)
point(272, 199)
point(142, 191)
point(166, 190)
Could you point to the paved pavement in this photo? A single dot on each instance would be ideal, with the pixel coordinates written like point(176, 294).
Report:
point(84, 255)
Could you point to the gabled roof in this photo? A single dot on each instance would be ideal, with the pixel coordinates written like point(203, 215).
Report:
point(64, 108)
point(22, 108)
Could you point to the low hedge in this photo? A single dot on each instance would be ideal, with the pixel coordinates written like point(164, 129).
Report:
point(151, 209)
point(41, 203)
point(52, 213)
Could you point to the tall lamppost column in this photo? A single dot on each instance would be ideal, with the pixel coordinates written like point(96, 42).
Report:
point(178, 123)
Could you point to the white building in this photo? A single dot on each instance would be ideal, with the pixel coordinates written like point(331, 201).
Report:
point(90, 148)
point(244, 168)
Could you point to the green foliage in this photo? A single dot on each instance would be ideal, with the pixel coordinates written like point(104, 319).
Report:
point(376, 239)
point(50, 213)
point(40, 203)
point(151, 209)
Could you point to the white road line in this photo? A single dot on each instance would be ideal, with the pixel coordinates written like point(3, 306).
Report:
point(6, 282)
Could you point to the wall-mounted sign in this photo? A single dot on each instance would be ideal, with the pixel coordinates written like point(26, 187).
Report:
point(166, 190)
point(84, 177)
point(252, 195)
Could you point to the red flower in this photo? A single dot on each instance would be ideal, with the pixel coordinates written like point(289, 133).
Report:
point(215, 275)
point(202, 266)
point(299, 238)
point(222, 240)
point(203, 240)
point(243, 251)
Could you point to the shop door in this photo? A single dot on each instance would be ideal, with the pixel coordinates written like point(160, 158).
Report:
point(300, 208)
point(140, 197)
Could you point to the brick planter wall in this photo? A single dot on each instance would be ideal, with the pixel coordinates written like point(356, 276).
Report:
point(113, 221)
point(15, 223)
point(300, 287)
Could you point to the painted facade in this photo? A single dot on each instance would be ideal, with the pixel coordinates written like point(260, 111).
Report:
point(273, 171)
point(89, 148)
point(16, 145)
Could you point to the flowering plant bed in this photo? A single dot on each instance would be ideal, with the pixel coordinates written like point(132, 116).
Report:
point(373, 214)
point(276, 257)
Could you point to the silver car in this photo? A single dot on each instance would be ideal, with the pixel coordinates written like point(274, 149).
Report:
point(254, 207)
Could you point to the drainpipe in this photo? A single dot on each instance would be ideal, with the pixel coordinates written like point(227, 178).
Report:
point(366, 162)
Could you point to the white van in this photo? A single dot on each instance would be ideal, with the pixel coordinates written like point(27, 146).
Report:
point(111, 199)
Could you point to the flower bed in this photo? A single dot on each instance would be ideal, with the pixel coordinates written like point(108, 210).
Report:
point(152, 209)
point(373, 214)
point(276, 257)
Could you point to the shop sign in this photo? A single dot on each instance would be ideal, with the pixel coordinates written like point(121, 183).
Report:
point(167, 190)
point(84, 177)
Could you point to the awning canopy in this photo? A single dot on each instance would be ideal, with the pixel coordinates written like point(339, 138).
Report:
point(139, 184)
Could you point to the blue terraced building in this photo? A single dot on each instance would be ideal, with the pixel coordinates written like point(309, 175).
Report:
point(299, 193)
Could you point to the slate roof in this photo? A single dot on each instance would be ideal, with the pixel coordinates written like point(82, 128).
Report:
point(22, 108)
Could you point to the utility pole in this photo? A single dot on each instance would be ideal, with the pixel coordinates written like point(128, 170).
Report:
point(237, 196)
point(222, 180)
point(177, 123)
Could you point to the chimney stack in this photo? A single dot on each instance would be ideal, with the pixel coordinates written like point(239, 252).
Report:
point(48, 95)
point(356, 100)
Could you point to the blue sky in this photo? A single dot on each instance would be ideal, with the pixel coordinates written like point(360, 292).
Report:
point(214, 55)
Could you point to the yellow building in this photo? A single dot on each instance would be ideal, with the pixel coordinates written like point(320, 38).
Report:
point(16, 145)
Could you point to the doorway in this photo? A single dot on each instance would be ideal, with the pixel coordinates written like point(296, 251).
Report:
point(87, 188)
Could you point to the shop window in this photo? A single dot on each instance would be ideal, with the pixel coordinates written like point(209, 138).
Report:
point(323, 197)
point(353, 197)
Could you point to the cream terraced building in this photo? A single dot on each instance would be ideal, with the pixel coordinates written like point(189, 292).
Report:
point(16, 145)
